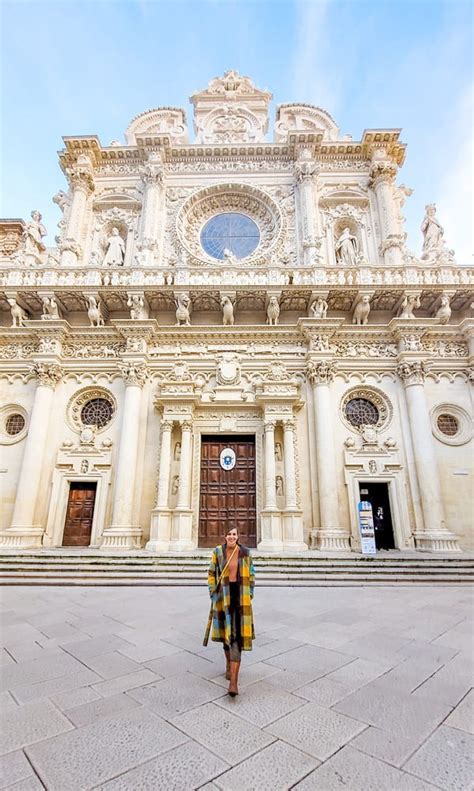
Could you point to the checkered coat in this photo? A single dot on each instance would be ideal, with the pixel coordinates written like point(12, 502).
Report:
point(219, 621)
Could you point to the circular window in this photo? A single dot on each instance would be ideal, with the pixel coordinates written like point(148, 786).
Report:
point(361, 412)
point(230, 232)
point(97, 412)
point(451, 424)
point(14, 424)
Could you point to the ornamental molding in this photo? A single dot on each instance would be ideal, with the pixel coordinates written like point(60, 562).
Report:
point(79, 399)
point(377, 397)
point(464, 420)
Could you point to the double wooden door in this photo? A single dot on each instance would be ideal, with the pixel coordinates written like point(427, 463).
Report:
point(227, 496)
point(79, 515)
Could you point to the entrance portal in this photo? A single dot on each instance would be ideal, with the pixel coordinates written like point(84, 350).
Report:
point(228, 493)
point(377, 495)
point(79, 515)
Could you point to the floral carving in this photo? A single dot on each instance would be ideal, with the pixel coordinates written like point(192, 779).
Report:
point(321, 373)
point(47, 374)
point(412, 373)
point(134, 374)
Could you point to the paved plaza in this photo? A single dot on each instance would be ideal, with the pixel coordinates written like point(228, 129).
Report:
point(356, 688)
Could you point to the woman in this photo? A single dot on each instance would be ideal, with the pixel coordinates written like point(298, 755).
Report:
point(231, 581)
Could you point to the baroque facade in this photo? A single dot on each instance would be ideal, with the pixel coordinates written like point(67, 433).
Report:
point(233, 331)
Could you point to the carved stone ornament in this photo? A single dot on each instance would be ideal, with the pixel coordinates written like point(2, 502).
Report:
point(87, 435)
point(169, 121)
point(180, 373)
point(19, 315)
point(47, 374)
point(228, 369)
point(276, 372)
point(134, 374)
point(81, 175)
point(412, 373)
point(382, 170)
point(321, 373)
point(304, 118)
point(376, 397)
point(83, 397)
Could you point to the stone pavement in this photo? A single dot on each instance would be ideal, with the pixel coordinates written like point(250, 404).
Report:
point(362, 688)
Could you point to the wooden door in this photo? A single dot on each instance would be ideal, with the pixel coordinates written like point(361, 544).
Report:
point(227, 497)
point(79, 515)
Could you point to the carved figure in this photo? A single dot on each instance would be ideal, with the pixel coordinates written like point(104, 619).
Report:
point(95, 313)
point(443, 314)
point(177, 451)
point(408, 306)
point(18, 314)
point(361, 311)
point(279, 486)
point(229, 256)
point(273, 311)
point(432, 230)
point(319, 308)
point(115, 249)
point(278, 452)
point(347, 248)
point(175, 484)
point(183, 304)
point(227, 311)
point(138, 311)
point(33, 234)
point(50, 308)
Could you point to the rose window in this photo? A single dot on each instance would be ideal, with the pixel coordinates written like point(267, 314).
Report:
point(97, 412)
point(14, 424)
point(232, 232)
point(362, 412)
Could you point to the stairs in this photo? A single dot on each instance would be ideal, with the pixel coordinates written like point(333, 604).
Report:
point(92, 567)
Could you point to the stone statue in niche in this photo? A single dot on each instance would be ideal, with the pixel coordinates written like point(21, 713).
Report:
point(175, 484)
point(273, 311)
point(18, 314)
point(115, 249)
point(408, 306)
point(227, 311)
point(50, 308)
point(432, 230)
point(361, 311)
point(33, 234)
point(347, 248)
point(443, 314)
point(279, 486)
point(177, 451)
point(229, 256)
point(319, 308)
point(94, 312)
point(183, 306)
point(138, 311)
point(84, 466)
point(278, 452)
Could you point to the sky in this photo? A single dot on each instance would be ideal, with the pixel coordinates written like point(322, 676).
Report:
point(88, 67)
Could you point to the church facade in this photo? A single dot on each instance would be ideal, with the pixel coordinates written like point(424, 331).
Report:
point(233, 332)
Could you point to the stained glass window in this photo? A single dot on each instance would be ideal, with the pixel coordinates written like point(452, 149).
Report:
point(230, 231)
point(362, 412)
point(97, 412)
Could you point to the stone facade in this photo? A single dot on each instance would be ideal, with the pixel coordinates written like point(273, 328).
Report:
point(346, 356)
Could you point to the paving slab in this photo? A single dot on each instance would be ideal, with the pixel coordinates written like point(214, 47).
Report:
point(261, 703)
point(445, 759)
point(31, 723)
point(183, 662)
point(33, 671)
point(45, 689)
point(393, 748)
point(94, 646)
point(13, 768)
point(123, 683)
point(111, 665)
point(176, 694)
point(30, 784)
point(104, 707)
point(352, 770)
point(276, 768)
point(74, 697)
point(463, 715)
point(309, 658)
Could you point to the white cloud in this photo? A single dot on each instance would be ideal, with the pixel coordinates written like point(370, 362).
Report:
point(313, 81)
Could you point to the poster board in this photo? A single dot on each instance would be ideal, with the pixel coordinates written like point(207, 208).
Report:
point(366, 528)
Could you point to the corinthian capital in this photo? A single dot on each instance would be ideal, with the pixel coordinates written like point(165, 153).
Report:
point(412, 373)
point(47, 374)
point(134, 374)
point(321, 373)
point(382, 171)
point(153, 172)
point(305, 170)
point(81, 175)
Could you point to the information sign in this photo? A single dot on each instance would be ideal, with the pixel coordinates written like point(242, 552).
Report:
point(366, 528)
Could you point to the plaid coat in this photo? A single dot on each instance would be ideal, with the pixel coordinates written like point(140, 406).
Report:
point(219, 616)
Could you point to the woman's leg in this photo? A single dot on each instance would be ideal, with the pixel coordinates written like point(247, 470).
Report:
point(227, 662)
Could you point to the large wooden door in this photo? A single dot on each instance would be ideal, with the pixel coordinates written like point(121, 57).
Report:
point(228, 497)
point(79, 515)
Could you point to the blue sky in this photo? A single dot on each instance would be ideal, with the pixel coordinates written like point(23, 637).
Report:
point(88, 67)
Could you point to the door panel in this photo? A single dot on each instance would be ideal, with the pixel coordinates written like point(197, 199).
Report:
point(228, 497)
point(79, 515)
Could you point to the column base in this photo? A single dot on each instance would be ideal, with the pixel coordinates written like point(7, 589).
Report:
point(22, 537)
point(270, 521)
point(182, 531)
point(442, 541)
point(121, 538)
point(293, 530)
point(330, 540)
point(160, 530)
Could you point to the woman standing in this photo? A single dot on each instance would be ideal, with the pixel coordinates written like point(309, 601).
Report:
point(231, 581)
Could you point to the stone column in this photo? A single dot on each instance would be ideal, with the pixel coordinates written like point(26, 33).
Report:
point(23, 532)
point(435, 537)
point(183, 515)
point(270, 516)
point(306, 170)
point(160, 528)
point(124, 533)
point(292, 515)
point(331, 535)
point(382, 177)
point(81, 178)
point(153, 188)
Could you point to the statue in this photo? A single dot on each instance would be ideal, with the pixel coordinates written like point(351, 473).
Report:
point(18, 314)
point(33, 234)
point(443, 314)
point(95, 313)
point(175, 484)
point(227, 311)
point(116, 249)
point(138, 311)
point(407, 307)
point(229, 256)
point(347, 248)
point(361, 311)
point(273, 311)
point(50, 308)
point(279, 486)
point(432, 230)
point(183, 305)
point(319, 308)
point(177, 451)
point(278, 452)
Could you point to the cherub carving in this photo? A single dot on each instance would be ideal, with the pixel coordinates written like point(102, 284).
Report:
point(138, 311)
